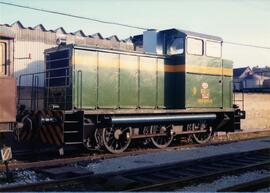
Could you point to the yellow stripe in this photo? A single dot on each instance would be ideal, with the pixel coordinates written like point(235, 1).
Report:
point(82, 60)
point(199, 69)
point(204, 70)
point(227, 71)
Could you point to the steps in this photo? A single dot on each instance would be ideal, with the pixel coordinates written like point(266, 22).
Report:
point(237, 122)
point(73, 128)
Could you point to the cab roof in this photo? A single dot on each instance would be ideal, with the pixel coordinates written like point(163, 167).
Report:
point(193, 34)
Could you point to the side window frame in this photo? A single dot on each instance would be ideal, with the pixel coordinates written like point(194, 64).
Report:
point(203, 45)
point(4, 62)
point(219, 42)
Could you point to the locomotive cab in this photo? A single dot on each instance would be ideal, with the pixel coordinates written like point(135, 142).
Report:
point(194, 62)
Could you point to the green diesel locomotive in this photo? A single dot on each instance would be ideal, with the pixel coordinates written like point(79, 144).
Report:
point(174, 83)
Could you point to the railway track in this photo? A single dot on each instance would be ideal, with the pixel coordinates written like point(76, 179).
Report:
point(167, 177)
point(249, 186)
point(25, 163)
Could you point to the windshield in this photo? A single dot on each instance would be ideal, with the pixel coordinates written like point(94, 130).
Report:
point(175, 46)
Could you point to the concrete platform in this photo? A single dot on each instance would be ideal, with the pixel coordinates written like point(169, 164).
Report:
point(177, 155)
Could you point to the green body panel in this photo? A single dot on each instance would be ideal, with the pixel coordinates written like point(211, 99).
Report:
point(108, 74)
point(197, 60)
point(115, 80)
point(227, 92)
point(111, 79)
point(203, 90)
point(227, 85)
point(200, 95)
point(148, 82)
point(129, 77)
point(86, 62)
point(227, 63)
point(160, 84)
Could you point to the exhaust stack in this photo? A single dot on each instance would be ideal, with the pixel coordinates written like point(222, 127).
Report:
point(151, 42)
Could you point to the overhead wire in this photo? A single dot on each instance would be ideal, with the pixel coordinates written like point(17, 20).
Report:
point(74, 16)
point(246, 45)
point(114, 23)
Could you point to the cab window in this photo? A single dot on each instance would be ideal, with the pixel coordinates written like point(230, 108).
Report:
point(176, 46)
point(213, 49)
point(2, 58)
point(194, 46)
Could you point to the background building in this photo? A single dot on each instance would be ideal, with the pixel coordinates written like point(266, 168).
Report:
point(251, 80)
point(30, 43)
point(29, 46)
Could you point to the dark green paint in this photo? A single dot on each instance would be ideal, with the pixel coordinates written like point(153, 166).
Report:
point(108, 74)
point(194, 91)
point(160, 84)
point(195, 81)
point(129, 81)
point(227, 85)
point(88, 67)
point(148, 82)
point(227, 92)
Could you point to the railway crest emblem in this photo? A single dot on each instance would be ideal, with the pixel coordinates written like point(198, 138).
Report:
point(204, 90)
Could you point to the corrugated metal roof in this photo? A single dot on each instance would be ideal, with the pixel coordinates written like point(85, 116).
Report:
point(97, 35)
point(41, 27)
point(79, 33)
point(113, 37)
point(6, 32)
point(18, 24)
point(129, 39)
point(60, 30)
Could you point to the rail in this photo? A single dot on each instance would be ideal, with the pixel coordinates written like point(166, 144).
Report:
point(250, 186)
point(166, 177)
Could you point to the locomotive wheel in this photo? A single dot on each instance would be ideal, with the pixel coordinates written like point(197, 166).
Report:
point(116, 139)
point(202, 137)
point(162, 141)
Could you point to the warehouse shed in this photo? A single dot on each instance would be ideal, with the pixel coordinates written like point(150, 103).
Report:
point(30, 43)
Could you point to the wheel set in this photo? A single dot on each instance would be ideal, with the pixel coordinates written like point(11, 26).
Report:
point(118, 139)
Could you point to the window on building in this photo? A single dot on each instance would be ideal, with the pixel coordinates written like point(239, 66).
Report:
point(176, 46)
point(213, 49)
point(195, 46)
point(3, 62)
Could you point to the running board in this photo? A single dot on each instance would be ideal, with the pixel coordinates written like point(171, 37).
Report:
point(160, 119)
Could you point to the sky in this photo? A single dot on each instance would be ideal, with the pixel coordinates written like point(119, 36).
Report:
point(243, 21)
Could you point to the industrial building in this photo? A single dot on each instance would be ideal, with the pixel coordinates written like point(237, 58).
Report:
point(30, 43)
point(251, 80)
point(29, 46)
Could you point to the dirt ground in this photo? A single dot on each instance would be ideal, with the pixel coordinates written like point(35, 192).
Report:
point(257, 107)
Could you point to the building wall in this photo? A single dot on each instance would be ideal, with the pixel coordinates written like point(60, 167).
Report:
point(29, 46)
point(257, 107)
point(25, 65)
point(35, 40)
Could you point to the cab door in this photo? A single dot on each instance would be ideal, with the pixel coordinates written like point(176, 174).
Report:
point(203, 73)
